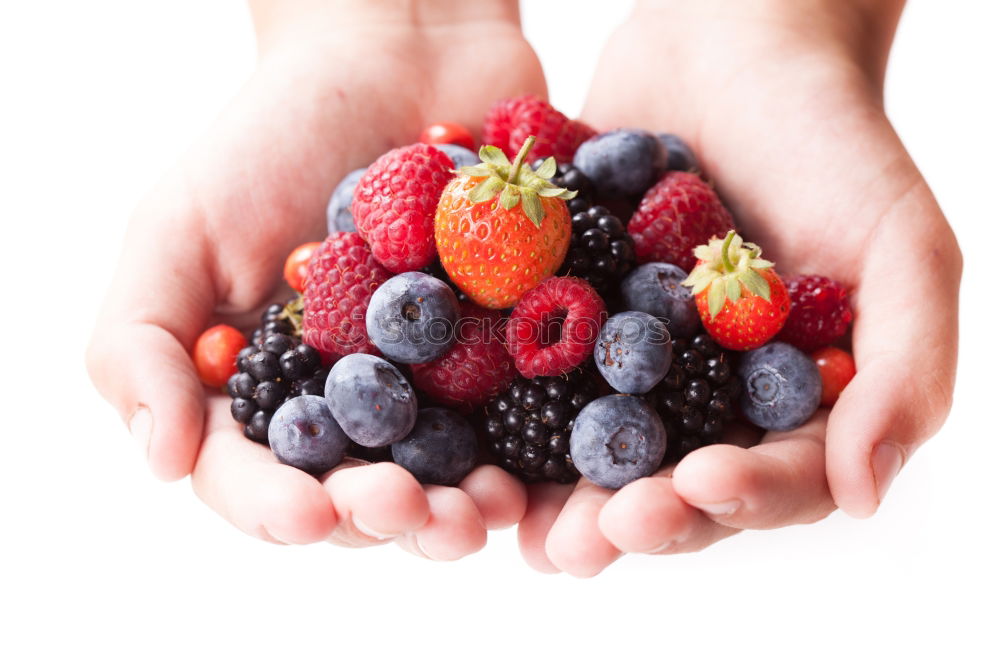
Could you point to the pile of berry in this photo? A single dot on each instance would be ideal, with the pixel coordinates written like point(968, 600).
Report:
point(560, 303)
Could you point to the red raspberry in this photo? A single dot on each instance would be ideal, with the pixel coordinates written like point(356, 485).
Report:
point(555, 326)
point(340, 280)
point(836, 369)
point(394, 205)
point(820, 312)
point(475, 368)
point(513, 120)
point(675, 216)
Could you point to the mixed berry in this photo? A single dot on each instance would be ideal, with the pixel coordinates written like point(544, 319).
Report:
point(559, 302)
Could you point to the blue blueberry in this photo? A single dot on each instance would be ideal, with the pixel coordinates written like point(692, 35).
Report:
point(441, 448)
point(411, 317)
point(679, 156)
point(781, 386)
point(460, 155)
point(621, 163)
point(633, 352)
point(656, 288)
point(617, 439)
point(304, 434)
point(338, 211)
point(371, 400)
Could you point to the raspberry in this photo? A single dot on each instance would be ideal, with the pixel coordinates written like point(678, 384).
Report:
point(555, 326)
point(475, 368)
point(340, 280)
point(820, 312)
point(676, 215)
point(394, 205)
point(836, 370)
point(511, 121)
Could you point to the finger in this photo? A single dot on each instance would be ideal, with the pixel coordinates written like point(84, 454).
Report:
point(575, 543)
point(244, 483)
point(545, 501)
point(905, 346)
point(781, 481)
point(500, 498)
point(647, 516)
point(376, 503)
point(453, 530)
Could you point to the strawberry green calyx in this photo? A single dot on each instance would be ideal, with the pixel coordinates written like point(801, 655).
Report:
point(515, 183)
point(725, 267)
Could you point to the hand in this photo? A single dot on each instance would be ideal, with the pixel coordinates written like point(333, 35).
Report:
point(781, 102)
point(335, 87)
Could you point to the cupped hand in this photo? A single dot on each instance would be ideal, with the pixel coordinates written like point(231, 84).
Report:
point(329, 95)
point(781, 102)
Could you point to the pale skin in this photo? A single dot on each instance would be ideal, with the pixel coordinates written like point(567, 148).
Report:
point(781, 101)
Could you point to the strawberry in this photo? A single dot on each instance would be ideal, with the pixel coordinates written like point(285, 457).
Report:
point(502, 228)
point(511, 121)
point(678, 213)
point(394, 205)
point(740, 298)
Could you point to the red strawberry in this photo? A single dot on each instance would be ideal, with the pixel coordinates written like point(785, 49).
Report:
point(475, 368)
point(555, 327)
point(836, 369)
point(676, 215)
point(511, 121)
point(340, 280)
point(394, 205)
point(502, 228)
point(821, 312)
point(740, 298)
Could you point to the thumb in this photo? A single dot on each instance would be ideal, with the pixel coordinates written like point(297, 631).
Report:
point(905, 347)
point(159, 301)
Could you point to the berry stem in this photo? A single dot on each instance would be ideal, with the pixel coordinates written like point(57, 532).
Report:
point(726, 263)
point(521, 155)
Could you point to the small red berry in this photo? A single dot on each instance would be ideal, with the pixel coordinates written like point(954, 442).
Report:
point(836, 369)
point(296, 264)
point(215, 354)
point(452, 133)
point(820, 313)
point(555, 327)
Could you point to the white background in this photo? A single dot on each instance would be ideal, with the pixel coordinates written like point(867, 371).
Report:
point(101, 562)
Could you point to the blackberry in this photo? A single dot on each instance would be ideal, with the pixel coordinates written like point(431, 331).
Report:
point(275, 367)
point(528, 425)
point(699, 395)
point(571, 178)
point(601, 251)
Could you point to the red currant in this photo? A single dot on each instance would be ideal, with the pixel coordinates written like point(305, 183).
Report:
point(215, 354)
point(836, 368)
point(296, 264)
point(448, 133)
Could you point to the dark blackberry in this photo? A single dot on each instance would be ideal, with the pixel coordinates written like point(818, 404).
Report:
point(571, 178)
point(277, 367)
point(698, 396)
point(528, 425)
point(601, 250)
point(285, 318)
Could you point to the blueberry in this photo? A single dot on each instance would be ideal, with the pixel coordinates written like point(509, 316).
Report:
point(656, 288)
point(338, 211)
point(304, 434)
point(781, 386)
point(633, 351)
point(679, 156)
point(621, 163)
point(411, 317)
point(441, 448)
point(460, 155)
point(371, 400)
point(617, 439)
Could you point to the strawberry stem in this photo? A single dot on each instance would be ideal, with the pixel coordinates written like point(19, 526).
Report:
point(726, 263)
point(521, 154)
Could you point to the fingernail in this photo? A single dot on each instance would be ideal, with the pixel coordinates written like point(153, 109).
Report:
point(666, 546)
point(887, 460)
point(720, 508)
point(420, 547)
point(140, 425)
point(367, 531)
